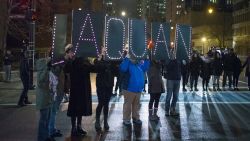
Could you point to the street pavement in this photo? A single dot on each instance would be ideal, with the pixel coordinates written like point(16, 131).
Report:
point(203, 116)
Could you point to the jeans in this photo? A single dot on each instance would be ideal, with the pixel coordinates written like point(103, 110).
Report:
point(7, 70)
point(43, 127)
point(194, 80)
point(216, 81)
point(104, 95)
point(173, 87)
point(184, 80)
point(236, 79)
point(24, 94)
point(54, 110)
point(154, 99)
point(229, 75)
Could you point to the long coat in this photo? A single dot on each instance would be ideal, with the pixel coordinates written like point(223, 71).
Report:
point(155, 82)
point(247, 64)
point(80, 102)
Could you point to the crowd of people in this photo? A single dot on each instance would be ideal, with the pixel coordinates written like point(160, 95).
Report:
point(215, 64)
point(73, 77)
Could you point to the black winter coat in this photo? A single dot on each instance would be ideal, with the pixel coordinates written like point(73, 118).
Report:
point(173, 70)
point(228, 64)
point(105, 74)
point(247, 65)
point(80, 100)
point(205, 70)
point(195, 66)
point(24, 69)
point(155, 82)
point(237, 66)
point(217, 67)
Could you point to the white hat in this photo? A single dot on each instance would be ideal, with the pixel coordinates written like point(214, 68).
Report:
point(68, 47)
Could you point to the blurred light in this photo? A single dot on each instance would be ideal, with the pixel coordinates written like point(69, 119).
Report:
point(172, 27)
point(79, 8)
point(123, 13)
point(203, 39)
point(210, 10)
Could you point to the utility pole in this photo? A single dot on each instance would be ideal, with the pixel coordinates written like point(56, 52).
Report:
point(31, 45)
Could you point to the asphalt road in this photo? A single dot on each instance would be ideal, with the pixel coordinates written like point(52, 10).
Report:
point(203, 116)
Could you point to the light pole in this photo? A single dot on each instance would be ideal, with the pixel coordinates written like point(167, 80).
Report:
point(203, 39)
point(31, 45)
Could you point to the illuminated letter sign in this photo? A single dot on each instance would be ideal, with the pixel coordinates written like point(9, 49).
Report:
point(183, 42)
point(115, 37)
point(161, 38)
point(137, 38)
point(87, 33)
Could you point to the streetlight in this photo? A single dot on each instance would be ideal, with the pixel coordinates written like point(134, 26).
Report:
point(210, 10)
point(123, 13)
point(203, 39)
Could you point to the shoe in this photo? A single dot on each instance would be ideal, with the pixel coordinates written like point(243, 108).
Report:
point(98, 127)
point(174, 113)
point(106, 126)
point(50, 139)
point(196, 89)
point(74, 132)
point(57, 133)
point(137, 121)
point(81, 131)
point(21, 104)
point(27, 102)
point(152, 118)
point(218, 89)
point(157, 117)
point(191, 89)
point(184, 90)
point(126, 123)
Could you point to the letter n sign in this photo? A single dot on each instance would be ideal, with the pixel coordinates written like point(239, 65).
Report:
point(87, 33)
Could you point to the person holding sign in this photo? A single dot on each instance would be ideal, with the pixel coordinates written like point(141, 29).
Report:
point(155, 88)
point(132, 87)
point(104, 88)
point(173, 76)
point(80, 102)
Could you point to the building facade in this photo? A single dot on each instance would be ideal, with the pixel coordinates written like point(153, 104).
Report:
point(241, 26)
point(211, 21)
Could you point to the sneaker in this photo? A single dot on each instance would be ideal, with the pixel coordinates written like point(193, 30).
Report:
point(126, 123)
point(137, 121)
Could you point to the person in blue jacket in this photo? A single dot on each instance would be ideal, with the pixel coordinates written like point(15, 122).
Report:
point(133, 85)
